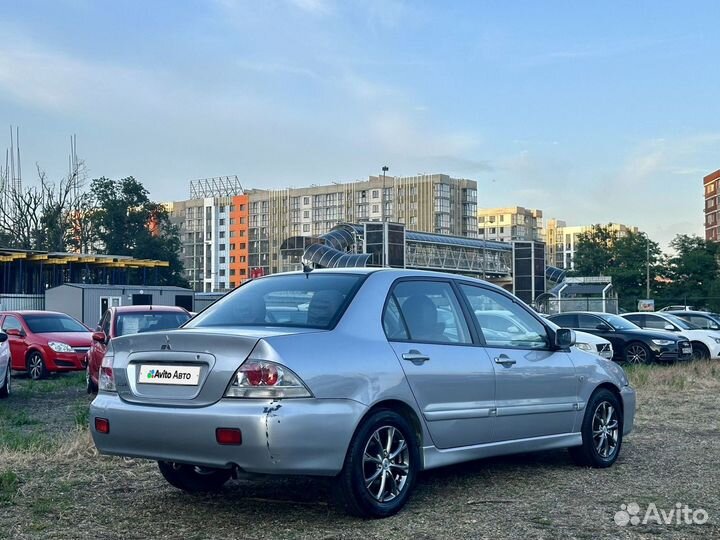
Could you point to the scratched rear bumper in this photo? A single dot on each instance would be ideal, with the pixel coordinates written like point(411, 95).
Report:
point(290, 436)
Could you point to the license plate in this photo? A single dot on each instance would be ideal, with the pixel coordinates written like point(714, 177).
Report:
point(165, 374)
point(687, 350)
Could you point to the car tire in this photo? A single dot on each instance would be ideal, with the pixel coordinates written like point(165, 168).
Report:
point(637, 353)
point(602, 431)
point(90, 386)
point(36, 366)
point(192, 478)
point(700, 352)
point(392, 472)
point(5, 388)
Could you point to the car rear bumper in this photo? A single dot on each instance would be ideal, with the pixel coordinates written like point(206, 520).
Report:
point(290, 436)
point(629, 403)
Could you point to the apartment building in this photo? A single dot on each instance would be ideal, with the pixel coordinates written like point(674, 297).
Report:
point(510, 224)
point(711, 184)
point(562, 240)
point(230, 234)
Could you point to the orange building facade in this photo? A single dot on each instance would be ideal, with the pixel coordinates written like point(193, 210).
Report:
point(239, 217)
point(711, 183)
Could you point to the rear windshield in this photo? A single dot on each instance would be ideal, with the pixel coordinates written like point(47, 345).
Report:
point(44, 324)
point(312, 301)
point(137, 323)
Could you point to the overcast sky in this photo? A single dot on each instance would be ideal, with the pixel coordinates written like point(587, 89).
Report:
point(594, 113)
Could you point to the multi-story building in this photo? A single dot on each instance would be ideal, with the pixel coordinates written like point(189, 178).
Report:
point(562, 240)
point(230, 234)
point(711, 183)
point(511, 224)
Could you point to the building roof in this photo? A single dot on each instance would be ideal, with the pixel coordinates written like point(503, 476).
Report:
point(61, 258)
point(476, 243)
point(123, 287)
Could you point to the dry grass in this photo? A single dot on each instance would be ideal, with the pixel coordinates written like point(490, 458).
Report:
point(65, 490)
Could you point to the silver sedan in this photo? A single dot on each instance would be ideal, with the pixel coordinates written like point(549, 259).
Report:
point(365, 375)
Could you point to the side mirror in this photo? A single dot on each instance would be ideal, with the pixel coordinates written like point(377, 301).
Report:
point(17, 332)
point(602, 327)
point(3, 337)
point(564, 338)
point(99, 336)
point(669, 327)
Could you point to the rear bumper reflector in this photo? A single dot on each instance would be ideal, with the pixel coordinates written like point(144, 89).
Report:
point(228, 436)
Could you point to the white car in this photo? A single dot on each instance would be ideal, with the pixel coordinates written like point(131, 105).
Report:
point(705, 343)
point(500, 322)
point(4, 366)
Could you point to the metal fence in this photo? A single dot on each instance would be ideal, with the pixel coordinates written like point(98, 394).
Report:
point(550, 306)
point(13, 302)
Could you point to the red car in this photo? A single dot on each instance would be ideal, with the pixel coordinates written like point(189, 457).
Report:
point(43, 342)
point(125, 320)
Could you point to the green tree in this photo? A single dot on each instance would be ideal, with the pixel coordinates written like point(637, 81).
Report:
point(594, 252)
point(623, 257)
point(126, 222)
point(693, 269)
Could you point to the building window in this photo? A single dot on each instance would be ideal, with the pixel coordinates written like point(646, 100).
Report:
point(306, 227)
point(221, 247)
point(375, 208)
point(306, 201)
point(306, 214)
point(375, 193)
point(222, 221)
point(222, 260)
point(242, 221)
point(242, 258)
point(221, 234)
point(222, 209)
point(243, 246)
point(222, 272)
point(232, 271)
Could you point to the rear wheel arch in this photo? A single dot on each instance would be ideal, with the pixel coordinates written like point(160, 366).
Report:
point(400, 407)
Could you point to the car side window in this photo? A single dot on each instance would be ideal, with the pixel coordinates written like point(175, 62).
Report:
point(588, 322)
point(651, 321)
point(702, 322)
point(392, 321)
point(518, 330)
point(105, 323)
point(431, 312)
point(11, 323)
point(565, 320)
point(636, 319)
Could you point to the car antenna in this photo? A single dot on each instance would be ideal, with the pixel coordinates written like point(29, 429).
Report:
point(307, 269)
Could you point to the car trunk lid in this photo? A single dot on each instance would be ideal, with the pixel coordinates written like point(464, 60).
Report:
point(185, 368)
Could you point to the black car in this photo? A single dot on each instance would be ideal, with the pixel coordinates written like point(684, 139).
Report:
point(702, 319)
point(630, 343)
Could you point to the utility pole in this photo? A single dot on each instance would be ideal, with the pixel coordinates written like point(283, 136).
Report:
point(647, 268)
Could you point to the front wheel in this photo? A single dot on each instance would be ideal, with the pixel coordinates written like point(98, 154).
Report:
point(602, 430)
point(637, 353)
point(5, 387)
point(380, 467)
point(700, 352)
point(36, 366)
point(193, 478)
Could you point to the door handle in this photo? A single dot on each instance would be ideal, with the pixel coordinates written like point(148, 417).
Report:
point(504, 360)
point(416, 357)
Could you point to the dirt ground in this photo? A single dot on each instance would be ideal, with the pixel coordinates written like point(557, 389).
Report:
point(54, 485)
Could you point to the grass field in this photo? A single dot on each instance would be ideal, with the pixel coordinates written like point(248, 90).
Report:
point(54, 485)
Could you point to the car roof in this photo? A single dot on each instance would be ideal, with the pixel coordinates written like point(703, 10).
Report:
point(145, 309)
point(22, 312)
point(581, 313)
point(394, 272)
point(680, 312)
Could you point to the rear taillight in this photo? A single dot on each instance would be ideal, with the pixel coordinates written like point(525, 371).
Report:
point(228, 436)
point(261, 379)
point(106, 379)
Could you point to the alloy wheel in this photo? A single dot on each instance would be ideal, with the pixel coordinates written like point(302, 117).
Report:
point(605, 430)
point(386, 462)
point(636, 355)
point(35, 366)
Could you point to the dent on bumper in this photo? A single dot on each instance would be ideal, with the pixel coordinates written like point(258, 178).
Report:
point(291, 436)
point(629, 403)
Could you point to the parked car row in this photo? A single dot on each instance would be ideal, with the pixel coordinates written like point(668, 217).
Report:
point(44, 342)
point(645, 337)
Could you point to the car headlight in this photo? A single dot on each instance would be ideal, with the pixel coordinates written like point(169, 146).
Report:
point(261, 379)
point(584, 347)
point(663, 342)
point(59, 346)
